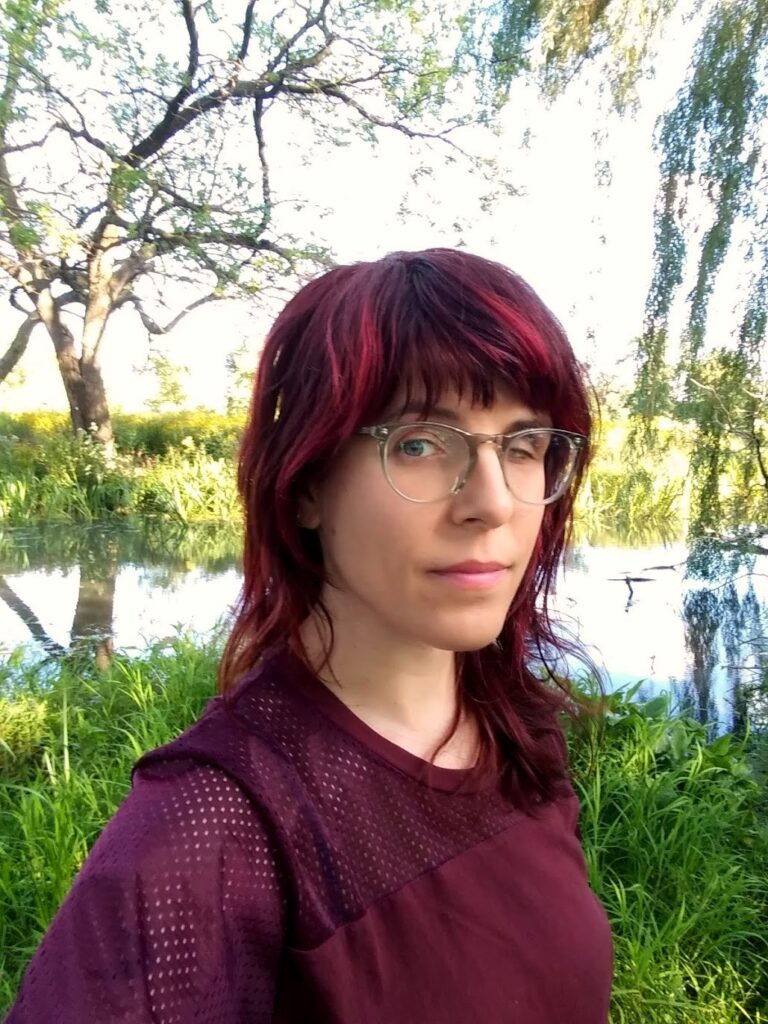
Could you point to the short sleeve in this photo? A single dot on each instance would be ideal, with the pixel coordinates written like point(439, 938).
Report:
point(177, 915)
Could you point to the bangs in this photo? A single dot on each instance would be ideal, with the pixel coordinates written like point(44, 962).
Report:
point(438, 334)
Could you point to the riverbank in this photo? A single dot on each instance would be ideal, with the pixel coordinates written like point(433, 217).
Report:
point(673, 828)
point(181, 467)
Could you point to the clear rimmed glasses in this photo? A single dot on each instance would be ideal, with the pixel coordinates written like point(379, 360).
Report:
point(427, 462)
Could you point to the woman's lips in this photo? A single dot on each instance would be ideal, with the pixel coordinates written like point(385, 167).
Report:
point(475, 580)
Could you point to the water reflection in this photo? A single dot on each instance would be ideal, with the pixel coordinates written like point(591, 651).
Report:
point(44, 571)
point(96, 588)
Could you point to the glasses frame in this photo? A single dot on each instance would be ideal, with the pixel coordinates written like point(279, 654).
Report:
point(383, 431)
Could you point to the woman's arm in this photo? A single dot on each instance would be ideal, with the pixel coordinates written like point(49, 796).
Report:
point(177, 915)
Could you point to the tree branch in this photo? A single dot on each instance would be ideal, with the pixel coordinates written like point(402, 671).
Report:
point(757, 442)
point(247, 29)
point(18, 346)
point(11, 267)
point(266, 191)
point(167, 241)
point(10, 201)
point(289, 44)
point(92, 140)
point(325, 88)
point(152, 325)
point(4, 150)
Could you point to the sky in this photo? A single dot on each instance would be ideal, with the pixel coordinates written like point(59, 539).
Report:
point(587, 249)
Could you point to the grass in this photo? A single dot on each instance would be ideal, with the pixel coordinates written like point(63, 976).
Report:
point(68, 479)
point(675, 833)
point(673, 826)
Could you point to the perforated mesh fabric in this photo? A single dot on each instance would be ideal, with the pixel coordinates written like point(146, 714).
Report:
point(270, 825)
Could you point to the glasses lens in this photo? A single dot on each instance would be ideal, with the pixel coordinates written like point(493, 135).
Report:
point(425, 462)
point(538, 465)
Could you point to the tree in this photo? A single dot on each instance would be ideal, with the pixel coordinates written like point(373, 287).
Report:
point(713, 207)
point(133, 147)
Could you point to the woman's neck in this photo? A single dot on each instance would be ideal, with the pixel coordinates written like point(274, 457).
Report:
point(405, 691)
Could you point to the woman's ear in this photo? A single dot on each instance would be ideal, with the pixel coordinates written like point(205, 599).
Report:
point(308, 515)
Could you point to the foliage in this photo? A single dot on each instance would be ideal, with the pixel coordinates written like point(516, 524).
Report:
point(673, 843)
point(137, 434)
point(554, 39)
point(676, 839)
point(69, 478)
point(713, 169)
point(642, 500)
point(170, 390)
point(58, 477)
point(239, 365)
point(188, 485)
point(214, 434)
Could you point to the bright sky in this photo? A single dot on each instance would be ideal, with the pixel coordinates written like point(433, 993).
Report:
point(586, 249)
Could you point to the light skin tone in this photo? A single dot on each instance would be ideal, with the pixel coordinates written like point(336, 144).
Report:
point(397, 621)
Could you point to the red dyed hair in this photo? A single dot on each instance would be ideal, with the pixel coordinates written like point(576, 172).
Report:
point(429, 322)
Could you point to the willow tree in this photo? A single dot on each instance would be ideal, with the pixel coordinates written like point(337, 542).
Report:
point(713, 207)
point(134, 142)
point(551, 42)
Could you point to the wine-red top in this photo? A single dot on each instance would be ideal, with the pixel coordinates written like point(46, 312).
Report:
point(282, 863)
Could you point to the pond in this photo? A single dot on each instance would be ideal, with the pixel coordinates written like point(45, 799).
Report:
point(635, 610)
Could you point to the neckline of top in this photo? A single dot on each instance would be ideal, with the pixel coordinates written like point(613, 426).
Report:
point(296, 673)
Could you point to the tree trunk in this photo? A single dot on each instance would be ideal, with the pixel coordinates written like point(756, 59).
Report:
point(95, 407)
point(81, 376)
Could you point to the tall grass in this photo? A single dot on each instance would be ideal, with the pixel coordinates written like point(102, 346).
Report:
point(63, 478)
point(673, 826)
point(676, 837)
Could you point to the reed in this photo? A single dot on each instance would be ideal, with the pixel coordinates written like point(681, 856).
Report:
point(674, 826)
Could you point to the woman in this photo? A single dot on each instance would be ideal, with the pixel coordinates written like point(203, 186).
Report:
point(372, 823)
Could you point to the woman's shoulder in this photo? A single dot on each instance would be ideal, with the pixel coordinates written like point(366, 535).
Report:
point(186, 885)
point(245, 735)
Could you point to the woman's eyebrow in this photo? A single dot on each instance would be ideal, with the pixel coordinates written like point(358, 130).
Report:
point(442, 413)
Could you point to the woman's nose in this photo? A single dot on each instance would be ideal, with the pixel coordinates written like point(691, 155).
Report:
point(485, 495)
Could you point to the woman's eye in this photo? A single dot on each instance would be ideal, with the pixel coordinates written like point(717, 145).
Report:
point(419, 447)
point(524, 448)
point(519, 453)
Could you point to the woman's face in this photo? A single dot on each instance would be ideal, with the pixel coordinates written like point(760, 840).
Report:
point(386, 557)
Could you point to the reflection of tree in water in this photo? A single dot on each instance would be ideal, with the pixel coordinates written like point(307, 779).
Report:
point(700, 619)
point(156, 543)
point(720, 615)
point(747, 661)
point(100, 551)
point(92, 623)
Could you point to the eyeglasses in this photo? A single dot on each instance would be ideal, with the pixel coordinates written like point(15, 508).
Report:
point(427, 462)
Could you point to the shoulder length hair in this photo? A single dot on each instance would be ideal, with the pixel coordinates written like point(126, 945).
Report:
point(425, 322)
